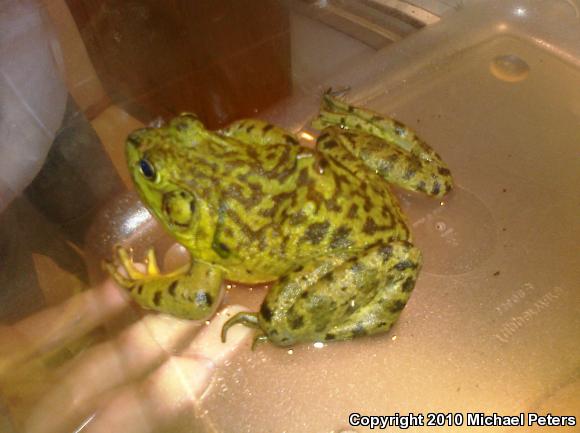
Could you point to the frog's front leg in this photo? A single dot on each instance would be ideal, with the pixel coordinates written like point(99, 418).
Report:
point(337, 297)
point(191, 292)
point(387, 146)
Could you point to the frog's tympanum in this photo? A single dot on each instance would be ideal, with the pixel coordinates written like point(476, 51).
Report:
point(253, 205)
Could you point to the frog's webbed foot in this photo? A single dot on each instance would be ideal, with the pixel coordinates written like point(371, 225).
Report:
point(387, 146)
point(123, 258)
point(190, 292)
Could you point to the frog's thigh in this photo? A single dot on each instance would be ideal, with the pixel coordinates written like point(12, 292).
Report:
point(258, 132)
point(390, 161)
point(398, 272)
point(340, 298)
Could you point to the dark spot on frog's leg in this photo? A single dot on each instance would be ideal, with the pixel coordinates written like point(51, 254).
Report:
point(157, 298)
point(298, 268)
point(409, 173)
point(266, 312)
point(323, 136)
point(329, 336)
point(296, 322)
point(443, 171)
point(358, 330)
point(408, 284)
point(249, 128)
point(399, 128)
point(436, 188)
point(172, 288)
point(203, 298)
point(304, 294)
point(283, 279)
point(421, 186)
point(397, 306)
point(267, 127)
point(405, 264)
point(140, 289)
point(386, 252)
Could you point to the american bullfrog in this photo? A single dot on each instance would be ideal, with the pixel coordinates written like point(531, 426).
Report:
point(253, 205)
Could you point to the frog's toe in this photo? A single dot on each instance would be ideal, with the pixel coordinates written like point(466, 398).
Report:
point(126, 261)
point(119, 278)
point(152, 266)
point(245, 318)
point(259, 338)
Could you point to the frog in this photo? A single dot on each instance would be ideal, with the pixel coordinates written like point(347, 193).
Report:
point(253, 204)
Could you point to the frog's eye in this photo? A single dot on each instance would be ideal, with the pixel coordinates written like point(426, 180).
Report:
point(147, 169)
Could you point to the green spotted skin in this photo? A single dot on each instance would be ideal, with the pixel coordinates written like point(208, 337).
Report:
point(253, 205)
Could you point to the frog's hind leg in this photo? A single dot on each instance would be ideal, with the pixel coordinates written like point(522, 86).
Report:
point(340, 297)
point(387, 146)
point(258, 132)
point(399, 272)
point(191, 292)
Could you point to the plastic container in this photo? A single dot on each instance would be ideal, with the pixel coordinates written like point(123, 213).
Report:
point(493, 324)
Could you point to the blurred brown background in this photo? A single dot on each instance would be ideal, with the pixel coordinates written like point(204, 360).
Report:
point(222, 59)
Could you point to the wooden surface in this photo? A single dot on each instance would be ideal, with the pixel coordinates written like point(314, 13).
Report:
point(222, 59)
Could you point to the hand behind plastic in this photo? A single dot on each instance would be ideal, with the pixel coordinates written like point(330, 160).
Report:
point(148, 377)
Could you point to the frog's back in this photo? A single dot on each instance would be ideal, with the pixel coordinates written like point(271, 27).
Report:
point(314, 205)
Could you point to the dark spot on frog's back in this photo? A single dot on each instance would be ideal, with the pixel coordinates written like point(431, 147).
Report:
point(316, 232)
point(443, 171)
point(341, 238)
point(370, 226)
point(352, 212)
point(267, 127)
point(328, 277)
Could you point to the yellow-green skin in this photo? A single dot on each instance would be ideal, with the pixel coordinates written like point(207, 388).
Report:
point(252, 205)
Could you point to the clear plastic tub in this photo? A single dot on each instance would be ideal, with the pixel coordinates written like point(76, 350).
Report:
point(493, 324)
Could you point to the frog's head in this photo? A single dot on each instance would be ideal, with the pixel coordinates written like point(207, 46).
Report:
point(170, 169)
